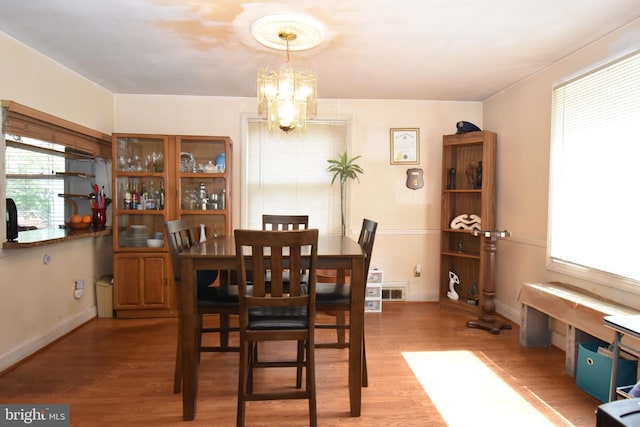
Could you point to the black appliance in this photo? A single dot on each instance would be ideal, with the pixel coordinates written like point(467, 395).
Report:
point(12, 220)
point(619, 413)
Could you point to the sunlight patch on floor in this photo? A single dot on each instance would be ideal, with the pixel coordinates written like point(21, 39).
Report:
point(466, 391)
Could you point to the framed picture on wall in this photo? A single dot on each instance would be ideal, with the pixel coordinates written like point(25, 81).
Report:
point(405, 146)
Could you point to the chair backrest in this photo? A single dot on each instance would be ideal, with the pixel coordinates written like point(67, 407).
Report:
point(366, 239)
point(295, 250)
point(180, 238)
point(285, 222)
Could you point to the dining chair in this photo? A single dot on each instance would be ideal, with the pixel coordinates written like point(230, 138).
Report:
point(336, 297)
point(220, 300)
point(285, 222)
point(278, 314)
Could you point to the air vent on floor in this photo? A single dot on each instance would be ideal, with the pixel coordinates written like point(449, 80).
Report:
point(394, 292)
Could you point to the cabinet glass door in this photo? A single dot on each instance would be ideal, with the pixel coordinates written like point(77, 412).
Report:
point(203, 183)
point(140, 205)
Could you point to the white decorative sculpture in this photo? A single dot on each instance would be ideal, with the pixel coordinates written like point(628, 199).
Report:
point(466, 222)
point(453, 281)
point(203, 236)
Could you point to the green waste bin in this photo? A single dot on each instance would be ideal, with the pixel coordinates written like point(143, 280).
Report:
point(104, 296)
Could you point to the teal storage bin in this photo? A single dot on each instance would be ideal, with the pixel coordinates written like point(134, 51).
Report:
point(593, 370)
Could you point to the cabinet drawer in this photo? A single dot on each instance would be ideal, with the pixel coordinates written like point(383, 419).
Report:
point(373, 306)
point(374, 292)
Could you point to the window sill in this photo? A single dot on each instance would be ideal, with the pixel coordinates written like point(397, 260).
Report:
point(48, 236)
point(602, 278)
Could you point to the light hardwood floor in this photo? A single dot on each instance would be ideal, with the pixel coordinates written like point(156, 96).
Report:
point(119, 372)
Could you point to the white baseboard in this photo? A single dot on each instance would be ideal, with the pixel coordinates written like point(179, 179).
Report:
point(422, 296)
point(508, 312)
point(29, 347)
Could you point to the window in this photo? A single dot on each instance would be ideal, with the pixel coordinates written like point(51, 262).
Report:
point(31, 182)
point(286, 174)
point(35, 146)
point(595, 158)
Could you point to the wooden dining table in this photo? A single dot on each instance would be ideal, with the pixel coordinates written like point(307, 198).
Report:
point(218, 253)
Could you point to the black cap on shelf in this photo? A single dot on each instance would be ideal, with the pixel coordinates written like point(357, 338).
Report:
point(464, 127)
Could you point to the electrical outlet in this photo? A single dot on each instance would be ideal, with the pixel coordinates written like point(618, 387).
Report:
point(418, 270)
point(78, 290)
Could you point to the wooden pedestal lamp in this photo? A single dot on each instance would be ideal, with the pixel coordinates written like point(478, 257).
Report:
point(487, 319)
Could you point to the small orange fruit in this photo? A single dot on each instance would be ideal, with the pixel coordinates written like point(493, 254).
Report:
point(75, 219)
point(86, 219)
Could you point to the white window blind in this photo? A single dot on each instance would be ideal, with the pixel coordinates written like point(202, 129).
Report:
point(286, 174)
point(31, 181)
point(595, 174)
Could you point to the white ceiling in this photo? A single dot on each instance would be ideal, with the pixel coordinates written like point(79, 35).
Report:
point(374, 49)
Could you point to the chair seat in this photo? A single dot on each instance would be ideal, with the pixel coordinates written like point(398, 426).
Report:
point(272, 318)
point(333, 293)
point(218, 295)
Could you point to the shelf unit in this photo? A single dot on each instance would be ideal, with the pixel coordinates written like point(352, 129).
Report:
point(460, 251)
point(143, 277)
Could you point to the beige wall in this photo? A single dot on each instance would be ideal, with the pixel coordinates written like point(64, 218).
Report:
point(36, 300)
point(32, 79)
point(408, 219)
point(521, 117)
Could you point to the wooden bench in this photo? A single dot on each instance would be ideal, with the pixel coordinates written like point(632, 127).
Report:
point(581, 311)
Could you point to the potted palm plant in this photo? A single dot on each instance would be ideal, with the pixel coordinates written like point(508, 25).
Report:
point(344, 168)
